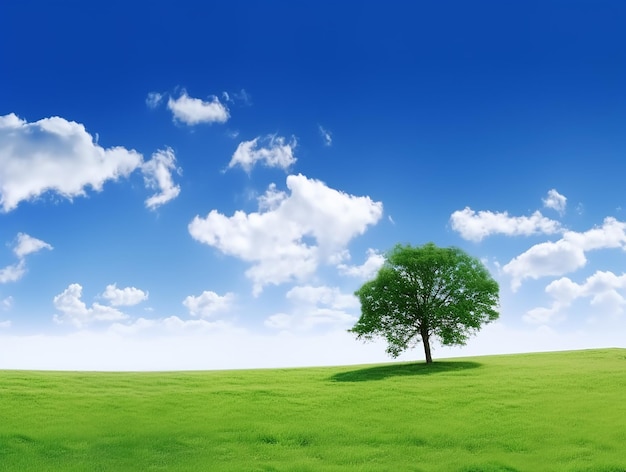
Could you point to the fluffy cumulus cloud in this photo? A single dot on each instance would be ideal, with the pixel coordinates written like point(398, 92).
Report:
point(208, 303)
point(127, 296)
point(545, 259)
point(59, 156)
point(271, 199)
point(193, 111)
point(13, 272)
point(272, 151)
point(157, 174)
point(554, 258)
point(26, 245)
point(604, 289)
point(367, 270)
point(75, 312)
point(475, 226)
point(315, 306)
point(611, 235)
point(55, 155)
point(293, 234)
point(555, 201)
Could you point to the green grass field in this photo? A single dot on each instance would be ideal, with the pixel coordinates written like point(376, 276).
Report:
point(535, 412)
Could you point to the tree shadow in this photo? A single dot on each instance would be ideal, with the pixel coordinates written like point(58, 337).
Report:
point(402, 369)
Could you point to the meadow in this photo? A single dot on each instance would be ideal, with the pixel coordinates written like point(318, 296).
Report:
point(561, 411)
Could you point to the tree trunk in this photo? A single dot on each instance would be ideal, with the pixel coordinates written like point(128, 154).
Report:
point(426, 343)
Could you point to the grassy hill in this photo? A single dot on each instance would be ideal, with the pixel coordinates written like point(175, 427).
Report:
point(535, 412)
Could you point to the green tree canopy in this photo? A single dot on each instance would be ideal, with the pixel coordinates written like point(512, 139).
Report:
point(424, 292)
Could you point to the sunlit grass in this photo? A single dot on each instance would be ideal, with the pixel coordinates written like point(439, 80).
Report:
point(553, 412)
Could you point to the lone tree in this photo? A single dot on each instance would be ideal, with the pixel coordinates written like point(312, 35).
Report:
point(425, 292)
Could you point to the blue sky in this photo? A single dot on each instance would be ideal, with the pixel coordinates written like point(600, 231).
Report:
point(191, 185)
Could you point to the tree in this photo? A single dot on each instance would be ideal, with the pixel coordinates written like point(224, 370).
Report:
point(426, 292)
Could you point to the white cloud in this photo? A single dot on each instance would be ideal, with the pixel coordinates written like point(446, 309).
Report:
point(326, 135)
point(322, 295)
point(368, 269)
point(316, 318)
point(5, 324)
point(154, 99)
point(24, 246)
point(612, 234)
point(28, 245)
point(157, 174)
point(610, 302)
point(59, 156)
point(55, 155)
point(563, 290)
point(13, 273)
point(193, 111)
point(543, 315)
point(271, 199)
point(555, 201)
point(565, 255)
point(475, 226)
point(289, 241)
point(315, 306)
point(208, 303)
point(544, 259)
point(75, 312)
point(127, 296)
point(273, 152)
point(602, 288)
